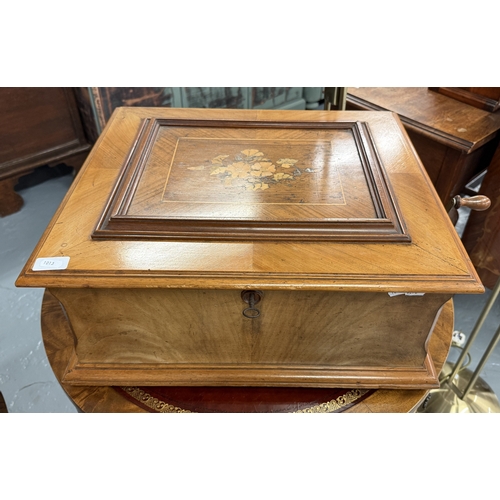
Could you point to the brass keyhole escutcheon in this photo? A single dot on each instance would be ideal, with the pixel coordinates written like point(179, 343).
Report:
point(251, 297)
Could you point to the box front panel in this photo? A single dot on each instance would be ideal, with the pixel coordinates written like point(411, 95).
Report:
point(344, 329)
point(157, 326)
point(206, 330)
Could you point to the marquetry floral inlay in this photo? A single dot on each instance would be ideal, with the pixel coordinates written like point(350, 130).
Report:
point(252, 170)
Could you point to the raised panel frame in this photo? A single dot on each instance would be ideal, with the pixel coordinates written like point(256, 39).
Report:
point(116, 221)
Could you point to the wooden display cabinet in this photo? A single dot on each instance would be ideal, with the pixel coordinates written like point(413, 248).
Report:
point(453, 139)
point(252, 248)
point(98, 103)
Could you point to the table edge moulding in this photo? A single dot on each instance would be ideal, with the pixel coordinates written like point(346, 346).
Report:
point(189, 260)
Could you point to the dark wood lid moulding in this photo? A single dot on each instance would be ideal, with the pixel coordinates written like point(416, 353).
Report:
point(320, 221)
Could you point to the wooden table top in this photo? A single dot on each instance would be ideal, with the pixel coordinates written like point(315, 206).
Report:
point(57, 337)
point(429, 112)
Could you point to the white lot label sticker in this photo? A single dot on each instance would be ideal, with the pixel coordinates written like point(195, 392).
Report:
point(51, 263)
point(393, 294)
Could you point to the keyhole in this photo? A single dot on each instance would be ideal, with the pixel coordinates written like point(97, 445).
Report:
point(251, 297)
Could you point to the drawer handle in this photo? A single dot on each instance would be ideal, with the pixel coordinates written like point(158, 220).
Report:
point(251, 297)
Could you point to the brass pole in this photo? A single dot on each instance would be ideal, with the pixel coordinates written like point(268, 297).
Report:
point(486, 355)
point(476, 329)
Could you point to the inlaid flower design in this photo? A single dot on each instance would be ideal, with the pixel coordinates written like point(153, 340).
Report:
point(252, 170)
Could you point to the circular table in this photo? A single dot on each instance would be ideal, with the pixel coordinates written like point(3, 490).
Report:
point(58, 338)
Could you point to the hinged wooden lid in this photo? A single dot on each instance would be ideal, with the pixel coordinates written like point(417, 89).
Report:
point(243, 198)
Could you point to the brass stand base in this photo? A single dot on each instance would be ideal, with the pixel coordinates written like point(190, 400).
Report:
point(481, 398)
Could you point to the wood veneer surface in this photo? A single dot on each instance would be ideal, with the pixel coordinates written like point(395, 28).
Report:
point(459, 125)
point(163, 307)
point(57, 339)
point(200, 337)
point(434, 261)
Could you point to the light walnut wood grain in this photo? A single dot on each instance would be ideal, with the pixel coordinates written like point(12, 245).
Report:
point(193, 337)
point(58, 344)
point(434, 258)
point(164, 306)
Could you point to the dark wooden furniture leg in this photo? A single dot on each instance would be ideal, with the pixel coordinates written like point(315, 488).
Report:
point(3, 406)
point(10, 201)
point(38, 126)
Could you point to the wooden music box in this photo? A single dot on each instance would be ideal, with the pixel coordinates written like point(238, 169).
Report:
point(252, 248)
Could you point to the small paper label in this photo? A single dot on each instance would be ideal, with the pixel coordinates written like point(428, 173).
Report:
point(51, 263)
point(393, 294)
